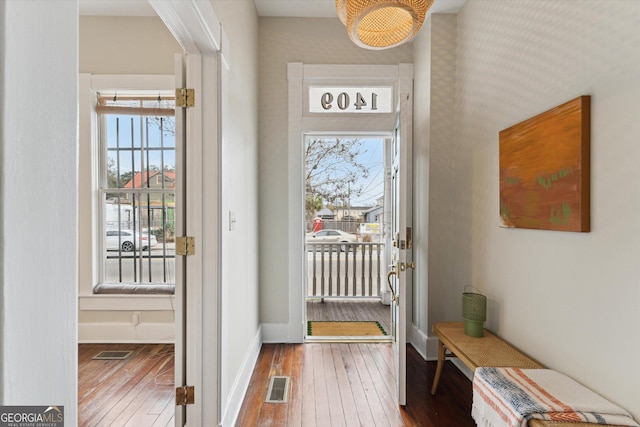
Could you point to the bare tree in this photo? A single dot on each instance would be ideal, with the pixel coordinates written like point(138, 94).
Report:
point(333, 171)
point(166, 125)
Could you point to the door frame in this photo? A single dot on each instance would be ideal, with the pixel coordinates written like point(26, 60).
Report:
point(196, 28)
point(301, 122)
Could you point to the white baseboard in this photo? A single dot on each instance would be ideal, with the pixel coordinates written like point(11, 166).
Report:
point(418, 340)
point(428, 349)
point(432, 348)
point(426, 346)
point(126, 333)
point(462, 367)
point(275, 333)
point(231, 410)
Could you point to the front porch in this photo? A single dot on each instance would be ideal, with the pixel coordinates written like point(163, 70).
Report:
point(346, 282)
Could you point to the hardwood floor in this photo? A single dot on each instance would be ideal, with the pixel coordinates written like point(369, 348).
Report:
point(337, 384)
point(332, 384)
point(450, 407)
point(136, 392)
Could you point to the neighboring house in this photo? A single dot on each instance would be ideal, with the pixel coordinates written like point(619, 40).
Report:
point(326, 213)
point(153, 180)
point(374, 214)
point(351, 213)
point(155, 203)
point(118, 216)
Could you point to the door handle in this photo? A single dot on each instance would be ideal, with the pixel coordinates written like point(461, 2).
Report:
point(393, 293)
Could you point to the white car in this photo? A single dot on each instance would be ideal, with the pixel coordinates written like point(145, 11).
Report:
point(332, 236)
point(127, 240)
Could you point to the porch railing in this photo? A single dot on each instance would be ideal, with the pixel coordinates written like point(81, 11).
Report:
point(345, 270)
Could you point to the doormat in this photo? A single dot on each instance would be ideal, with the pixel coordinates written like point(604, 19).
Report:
point(344, 329)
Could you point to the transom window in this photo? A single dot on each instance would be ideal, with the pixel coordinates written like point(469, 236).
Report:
point(137, 177)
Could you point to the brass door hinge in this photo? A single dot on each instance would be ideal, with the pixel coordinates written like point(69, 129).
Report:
point(185, 97)
point(185, 395)
point(185, 245)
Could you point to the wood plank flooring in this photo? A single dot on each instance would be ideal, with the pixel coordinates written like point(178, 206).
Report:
point(136, 392)
point(333, 384)
point(339, 384)
point(450, 407)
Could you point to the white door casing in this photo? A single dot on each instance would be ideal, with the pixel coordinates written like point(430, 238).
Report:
point(303, 122)
point(196, 28)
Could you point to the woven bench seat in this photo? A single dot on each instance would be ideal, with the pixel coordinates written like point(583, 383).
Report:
point(489, 350)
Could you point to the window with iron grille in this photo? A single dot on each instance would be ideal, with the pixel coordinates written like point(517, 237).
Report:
point(137, 179)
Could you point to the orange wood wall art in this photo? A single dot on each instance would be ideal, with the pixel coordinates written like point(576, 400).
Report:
point(545, 168)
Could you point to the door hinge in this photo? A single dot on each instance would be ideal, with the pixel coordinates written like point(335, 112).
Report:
point(185, 245)
point(185, 395)
point(185, 97)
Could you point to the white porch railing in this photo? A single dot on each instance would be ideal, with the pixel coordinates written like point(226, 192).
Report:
point(345, 270)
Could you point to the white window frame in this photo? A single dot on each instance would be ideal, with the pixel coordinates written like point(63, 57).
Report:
point(90, 240)
point(139, 263)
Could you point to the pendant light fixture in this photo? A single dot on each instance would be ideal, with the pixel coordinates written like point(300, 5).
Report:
point(382, 24)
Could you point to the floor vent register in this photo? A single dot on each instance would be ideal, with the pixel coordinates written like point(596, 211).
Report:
point(278, 390)
point(112, 355)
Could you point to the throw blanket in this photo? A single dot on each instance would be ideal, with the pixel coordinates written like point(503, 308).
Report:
point(511, 397)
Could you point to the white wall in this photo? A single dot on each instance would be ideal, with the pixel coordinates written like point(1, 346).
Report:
point(283, 40)
point(240, 289)
point(126, 45)
point(570, 300)
point(434, 94)
point(38, 261)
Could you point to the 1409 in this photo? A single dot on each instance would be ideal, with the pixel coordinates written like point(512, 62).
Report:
point(343, 101)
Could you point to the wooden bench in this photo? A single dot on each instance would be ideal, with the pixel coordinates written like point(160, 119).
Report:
point(489, 350)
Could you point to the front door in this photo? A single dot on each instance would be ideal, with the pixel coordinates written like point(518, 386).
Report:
point(400, 275)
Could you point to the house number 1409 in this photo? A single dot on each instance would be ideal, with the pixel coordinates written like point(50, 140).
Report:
point(342, 101)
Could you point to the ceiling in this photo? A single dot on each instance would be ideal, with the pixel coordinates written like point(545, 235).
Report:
point(116, 8)
point(288, 8)
point(327, 8)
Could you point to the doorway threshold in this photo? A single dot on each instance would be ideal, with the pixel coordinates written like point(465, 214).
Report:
point(348, 339)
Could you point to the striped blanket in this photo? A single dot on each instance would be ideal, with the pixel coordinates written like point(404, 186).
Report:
point(511, 397)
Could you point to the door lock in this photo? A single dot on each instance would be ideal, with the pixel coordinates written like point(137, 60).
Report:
point(403, 266)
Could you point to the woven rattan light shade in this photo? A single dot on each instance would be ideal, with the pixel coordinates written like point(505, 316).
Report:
point(381, 24)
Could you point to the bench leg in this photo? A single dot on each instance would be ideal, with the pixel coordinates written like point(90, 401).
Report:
point(441, 355)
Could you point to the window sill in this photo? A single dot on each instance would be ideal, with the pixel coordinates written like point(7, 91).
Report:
point(134, 289)
point(126, 302)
